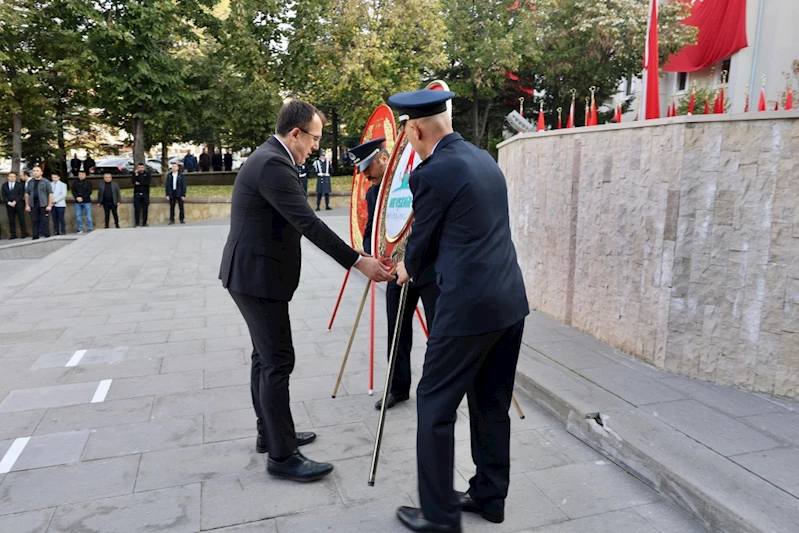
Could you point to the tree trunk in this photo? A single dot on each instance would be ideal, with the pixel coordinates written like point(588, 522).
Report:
point(164, 160)
point(485, 123)
point(138, 140)
point(335, 141)
point(475, 117)
point(16, 142)
point(61, 167)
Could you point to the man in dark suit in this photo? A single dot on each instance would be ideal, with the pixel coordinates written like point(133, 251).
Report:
point(175, 185)
point(261, 270)
point(461, 224)
point(13, 195)
point(141, 194)
point(371, 158)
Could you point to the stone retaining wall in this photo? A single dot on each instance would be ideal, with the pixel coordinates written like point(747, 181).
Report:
point(675, 240)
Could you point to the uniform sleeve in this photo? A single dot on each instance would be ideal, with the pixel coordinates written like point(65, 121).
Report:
point(281, 188)
point(371, 201)
point(428, 212)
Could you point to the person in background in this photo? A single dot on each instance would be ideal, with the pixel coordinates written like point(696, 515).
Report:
point(322, 170)
point(109, 197)
point(228, 160)
point(205, 160)
point(88, 164)
point(175, 192)
point(82, 192)
point(216, 160)
point(141, 193)
point(189, 162)
point(59, 205)
point(74, 164)
point(13, 195)
point(39, 203)
point(302, 170)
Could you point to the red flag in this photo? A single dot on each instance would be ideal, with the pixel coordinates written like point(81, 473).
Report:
point(674, 106)
point(619, 119)
point(746, 104)
point(617, 114)
point(594, 117)
point(560, 118)
point(761, 106)
point(651, 65)
point(541, 125)
point(692, 103)
point(570, 122)
point(777, 105)
point(789, 100)
point(707, 107)
point(717, 105)
point(668, 111)
point(587, 113)
point(723, 99)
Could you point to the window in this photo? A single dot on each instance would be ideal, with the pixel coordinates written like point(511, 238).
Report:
point(725, 66)
point(682, 81)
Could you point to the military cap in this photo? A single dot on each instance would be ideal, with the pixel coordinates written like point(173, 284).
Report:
point(418, 104)
point(363, 154)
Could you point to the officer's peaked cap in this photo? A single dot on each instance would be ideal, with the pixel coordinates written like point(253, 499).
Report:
point(363, 154)
point(418, 104)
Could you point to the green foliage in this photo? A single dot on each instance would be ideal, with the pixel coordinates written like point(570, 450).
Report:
point(703, 94)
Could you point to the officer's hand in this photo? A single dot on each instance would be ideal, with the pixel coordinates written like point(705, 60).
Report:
point(402, 274)
point(373, 269)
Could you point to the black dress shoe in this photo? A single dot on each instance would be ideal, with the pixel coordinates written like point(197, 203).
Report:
point(413, 519)
point(392, 401)
point(471, 506)
point(303, 438)
point(298, 468)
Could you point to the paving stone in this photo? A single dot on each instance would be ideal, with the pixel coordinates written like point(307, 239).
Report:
point(349, 409)
point(572, 355)
point(22, 491)
point(20, 423)
point(177, 323)
point(95, 415)
point(718, 432)
point(627, 521)
point(52, 450)
point(141, 317)
point(202, 402)
point(143, 437)
point(190, 334)
point(734, 402)
point(586, 489)
point(330, 366)
point(175, 510)
point(631, 386)
point(202, 361)
point(344, 441)
point(782, 425)
point(39, 348)
point(168, 468)
point(226, 377)
point(227, 319)
point(241, 423)
point(379, 515)
point(396, 473)
point(569, 445)
point(30, 522)
point(115, 371)
point(45, 397)
point(42, 335)
point(164, 349)
point(132, 339)
point(399, 433)
point(261, 526)
point(155, 385)
point(232, 501)
point(666, 518)
point(96, 331)
point(223, 344)
point(779, 466)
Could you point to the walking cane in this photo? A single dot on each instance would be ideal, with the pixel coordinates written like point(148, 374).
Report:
point(389, 379)
point(517, 406)
point(352, 335)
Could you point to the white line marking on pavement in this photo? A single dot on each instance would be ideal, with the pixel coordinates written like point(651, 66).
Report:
point(102, 390)
point(13, 454)
point(75, 359)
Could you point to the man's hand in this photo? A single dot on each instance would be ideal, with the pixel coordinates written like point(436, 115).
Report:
point(182, 198)
point(79, 199)
point(28, 208)
point(373, 269)
point(118, 204)
point(402, 274)
point(167, 197)
point(48, 208)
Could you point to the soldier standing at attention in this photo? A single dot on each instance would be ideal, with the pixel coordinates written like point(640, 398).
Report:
point(322, 170)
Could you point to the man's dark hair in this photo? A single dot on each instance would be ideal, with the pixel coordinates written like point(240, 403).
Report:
point(139, 164)
point(296, 114)
point(26, 173)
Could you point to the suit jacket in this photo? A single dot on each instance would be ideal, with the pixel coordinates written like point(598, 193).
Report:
point(116, 194)
point(17, 195)
point(371, 201)
point(461, 224)
point(181, 190)
point(144, 179)
point(269, 213)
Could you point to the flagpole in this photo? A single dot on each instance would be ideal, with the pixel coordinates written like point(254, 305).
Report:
point(646, 62)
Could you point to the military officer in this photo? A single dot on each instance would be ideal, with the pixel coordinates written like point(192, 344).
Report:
point(461, 225)
point(302, 169)
point(371, 158)
point(322, 170)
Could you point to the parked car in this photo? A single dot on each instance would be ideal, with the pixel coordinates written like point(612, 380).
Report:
point(121, 166)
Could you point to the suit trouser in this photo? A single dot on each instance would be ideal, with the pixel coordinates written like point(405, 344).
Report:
point(14, 213)
point(319, 199)
point(109, 209)
point(141, 204)
point(483, 367)
point(401, 385)
point(40, 222)
point(173, 199)
point(272, 364)
point(59, 222)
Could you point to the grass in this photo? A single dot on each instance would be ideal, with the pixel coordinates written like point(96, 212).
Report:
point(339, 183)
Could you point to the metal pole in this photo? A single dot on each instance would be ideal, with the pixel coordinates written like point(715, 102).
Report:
point(389, 379)
point(517, 406)
point(340, 294)
point(372, 342)
point(352, 336)
point(753, 74)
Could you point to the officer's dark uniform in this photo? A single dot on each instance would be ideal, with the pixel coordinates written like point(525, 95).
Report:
point(460, 203)
point(424, 288)
point(302, 169)
point(322, 170)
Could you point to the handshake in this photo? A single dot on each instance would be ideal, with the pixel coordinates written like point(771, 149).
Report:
point(375, 270)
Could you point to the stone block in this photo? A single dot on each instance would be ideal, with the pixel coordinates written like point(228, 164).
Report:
point(202, 402)
point(188, 362)
point(115, 371)
point(779, 466)
point(96, 415)
point(19, 423)
point(52, 450)
point(143, 437)
point(155, 385)
point(47, 397)
point(29, 522)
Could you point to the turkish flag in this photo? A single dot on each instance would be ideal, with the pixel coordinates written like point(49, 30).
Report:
point(541, 124)
point(789, 100)
point(761, 106)
point(652, 65)
point(722, 32)
point(570, 122)
point(692, 103)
